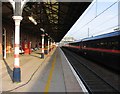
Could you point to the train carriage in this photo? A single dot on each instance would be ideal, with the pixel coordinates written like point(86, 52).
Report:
point(103, 49)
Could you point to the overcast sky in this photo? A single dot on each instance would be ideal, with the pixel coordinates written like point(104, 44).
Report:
point(98, 18)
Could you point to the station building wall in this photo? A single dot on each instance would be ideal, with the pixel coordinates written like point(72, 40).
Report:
point(9, 37)
point(25, 34)
point(0, 44)
point(30, 36)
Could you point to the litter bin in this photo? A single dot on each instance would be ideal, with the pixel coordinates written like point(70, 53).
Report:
point(41, 55)
point(16, 75)
point(46, 51)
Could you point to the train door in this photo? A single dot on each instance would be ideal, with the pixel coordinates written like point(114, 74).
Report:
point(4, 43)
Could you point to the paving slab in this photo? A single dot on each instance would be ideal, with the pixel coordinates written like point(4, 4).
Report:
point(54, 75)
point(29, 65)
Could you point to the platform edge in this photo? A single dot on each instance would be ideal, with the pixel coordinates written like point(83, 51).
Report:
point(75, 74)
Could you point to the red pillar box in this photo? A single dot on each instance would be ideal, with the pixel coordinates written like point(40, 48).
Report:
point(25, 47)
point(29, 47)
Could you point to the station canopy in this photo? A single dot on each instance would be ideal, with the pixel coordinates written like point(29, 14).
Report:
point(56, 18)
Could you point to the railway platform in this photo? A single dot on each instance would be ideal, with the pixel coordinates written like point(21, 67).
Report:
point(51, 74)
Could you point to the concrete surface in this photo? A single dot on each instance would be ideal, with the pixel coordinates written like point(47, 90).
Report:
point(52, 74)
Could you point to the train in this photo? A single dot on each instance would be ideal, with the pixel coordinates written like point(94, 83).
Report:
point(103, 49)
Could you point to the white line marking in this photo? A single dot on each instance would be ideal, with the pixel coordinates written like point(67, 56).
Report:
point(76, 76)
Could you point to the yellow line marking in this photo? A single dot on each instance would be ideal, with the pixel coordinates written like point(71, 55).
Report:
point(50, 75)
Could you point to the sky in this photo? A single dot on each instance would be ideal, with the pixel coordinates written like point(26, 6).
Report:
point(99, 18)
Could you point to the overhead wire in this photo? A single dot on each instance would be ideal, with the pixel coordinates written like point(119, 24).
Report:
point(106, 21)
point(95, 17)
point(107, 29)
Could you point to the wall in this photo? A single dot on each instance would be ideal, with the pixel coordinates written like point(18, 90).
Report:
point(0, 44)
point(29, 36)
point(9, 38)
point(0, 30)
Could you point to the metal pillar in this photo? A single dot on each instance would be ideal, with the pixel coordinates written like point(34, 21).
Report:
point(51, 44)
point(17, 9)
point(16, 70)
point(48, 45)
point(42, 54)
point(4, 32)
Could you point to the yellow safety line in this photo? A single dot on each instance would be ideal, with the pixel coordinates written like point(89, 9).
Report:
point(50, 76)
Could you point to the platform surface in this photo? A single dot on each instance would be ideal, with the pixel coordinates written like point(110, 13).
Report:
point(54, 75)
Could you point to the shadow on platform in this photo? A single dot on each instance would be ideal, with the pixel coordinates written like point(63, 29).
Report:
point(9, 70)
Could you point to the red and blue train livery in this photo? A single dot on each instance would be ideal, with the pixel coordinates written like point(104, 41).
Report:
point(103, 49)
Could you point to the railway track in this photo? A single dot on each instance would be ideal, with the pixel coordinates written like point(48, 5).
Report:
point(95, 78)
